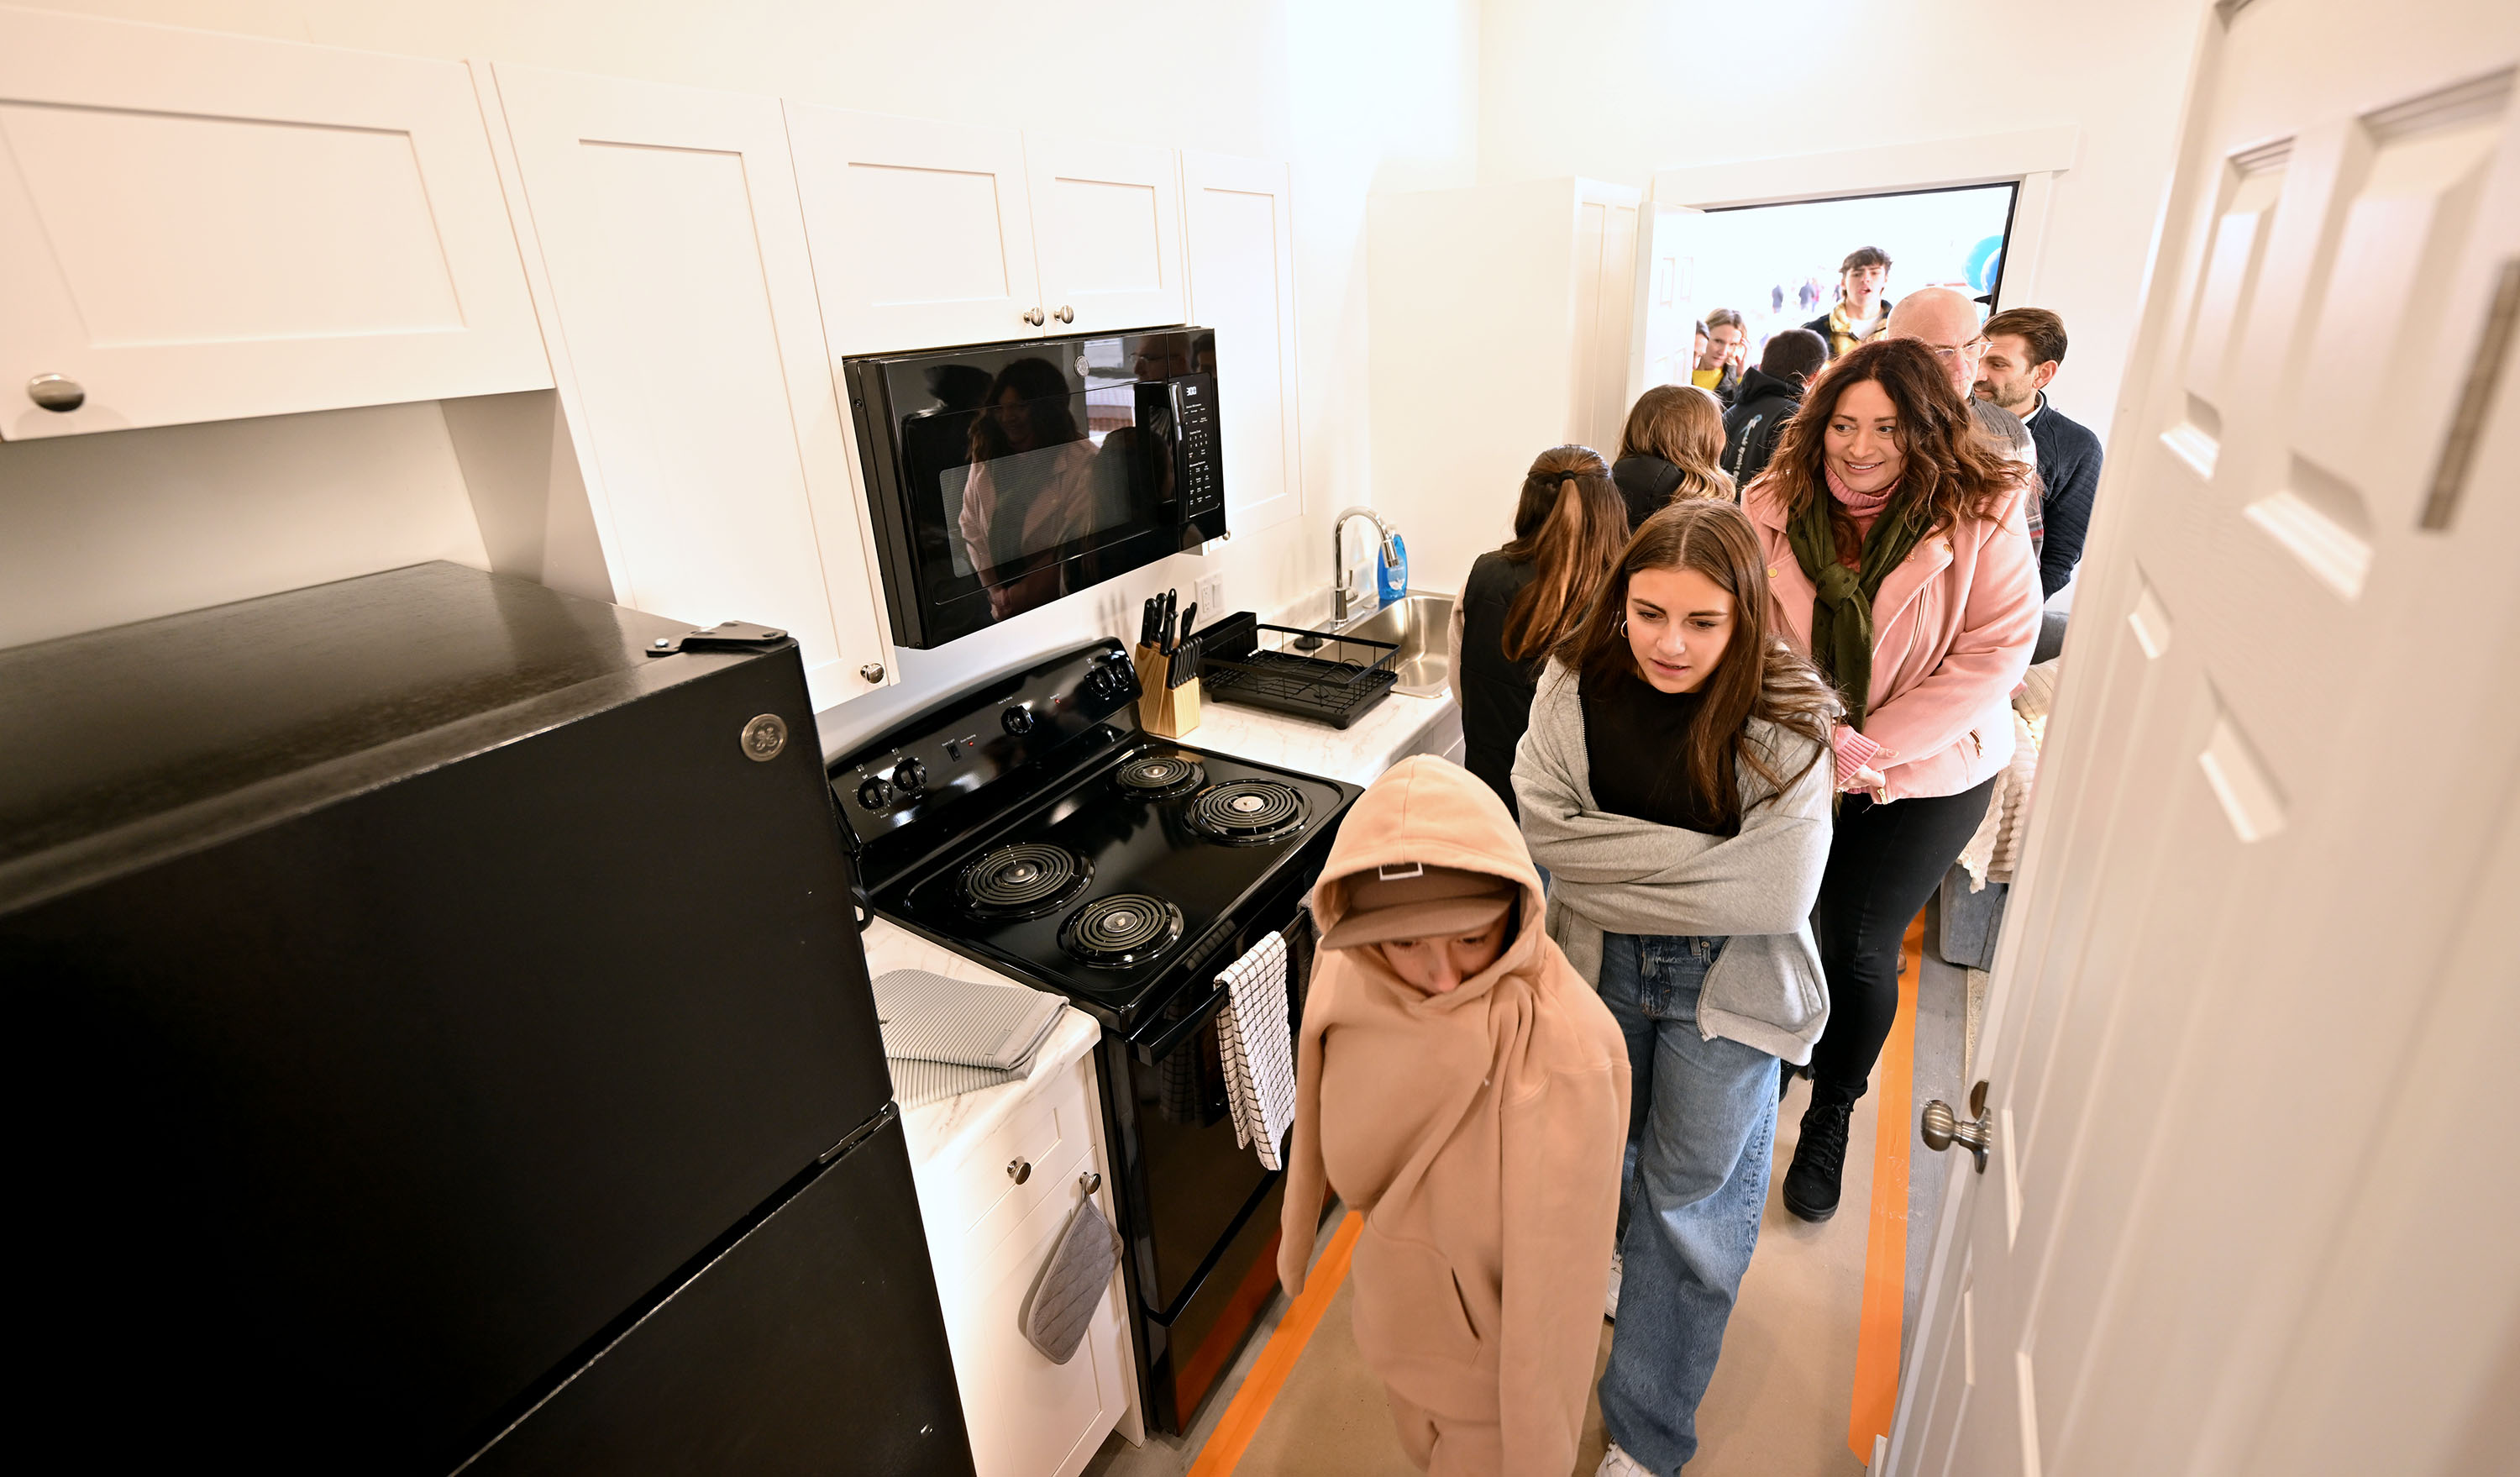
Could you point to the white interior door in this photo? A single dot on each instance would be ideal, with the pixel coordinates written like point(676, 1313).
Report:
point(922, 230)
point(2247, 1205)
point(199, 227)
point(1107, 228)
point(1673, 238)
point(1606, 265)
point(695, 378)
point(1240, 245)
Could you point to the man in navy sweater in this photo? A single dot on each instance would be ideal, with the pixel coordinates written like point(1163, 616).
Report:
point(2024, 346)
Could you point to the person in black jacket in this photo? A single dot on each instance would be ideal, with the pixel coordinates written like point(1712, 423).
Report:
point(1522, 600)
point(2024, 348)
point(1668, 450)
point(1769, 396)
point(1862, 310)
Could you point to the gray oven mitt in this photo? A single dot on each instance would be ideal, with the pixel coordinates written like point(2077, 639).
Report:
point(1071, 1281)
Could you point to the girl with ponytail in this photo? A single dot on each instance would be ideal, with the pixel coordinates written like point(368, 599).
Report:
point(1523, 600)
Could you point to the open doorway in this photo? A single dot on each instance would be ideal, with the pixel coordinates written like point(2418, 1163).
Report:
point(1778, 265)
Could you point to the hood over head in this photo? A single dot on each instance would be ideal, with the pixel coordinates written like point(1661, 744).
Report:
point(1429, 812)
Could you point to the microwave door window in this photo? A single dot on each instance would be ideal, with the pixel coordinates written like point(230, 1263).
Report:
point(1028, 483)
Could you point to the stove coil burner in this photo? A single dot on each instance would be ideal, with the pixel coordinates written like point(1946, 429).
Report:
point(1124, 928)
point(1160, 777)
point(1247, 810)
point(1024, 881)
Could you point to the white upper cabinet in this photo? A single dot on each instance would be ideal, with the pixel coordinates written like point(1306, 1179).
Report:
point(928, 234)
point(691, 358)
point(1239, 242)
point(1107, 227)
point(921, 232)
point(197, 227)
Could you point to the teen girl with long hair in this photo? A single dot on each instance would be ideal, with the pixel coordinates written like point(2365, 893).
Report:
point(1896, 543)
point(1671, 449)
point(1675, 782)
point(1522, 600)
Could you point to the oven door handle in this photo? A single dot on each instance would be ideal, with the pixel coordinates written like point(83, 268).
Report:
point(1216, 1253)
point(1158, 1047)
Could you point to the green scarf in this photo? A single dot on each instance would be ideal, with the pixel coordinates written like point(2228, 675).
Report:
point(1841, 625)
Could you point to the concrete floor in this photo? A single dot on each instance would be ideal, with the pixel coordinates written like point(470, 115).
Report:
point(1780, 1403)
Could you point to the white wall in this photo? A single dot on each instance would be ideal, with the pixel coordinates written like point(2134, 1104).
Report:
point(1358, 98)
point(1617, 89)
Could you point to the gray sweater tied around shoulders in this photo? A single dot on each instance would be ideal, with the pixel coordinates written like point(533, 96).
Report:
point(1613, 873)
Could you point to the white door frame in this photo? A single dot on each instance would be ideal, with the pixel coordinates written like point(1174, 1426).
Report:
point(2031, 158)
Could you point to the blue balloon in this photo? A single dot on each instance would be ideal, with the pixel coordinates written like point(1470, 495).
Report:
point(1984, 260)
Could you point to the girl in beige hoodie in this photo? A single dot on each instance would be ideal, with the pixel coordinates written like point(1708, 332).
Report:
point(1474, 1109)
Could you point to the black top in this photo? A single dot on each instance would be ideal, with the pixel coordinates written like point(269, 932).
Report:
point(2069, 473)
point(1646, 484)
point(1636, 744)
point(1495, 691)
point(1756, 422)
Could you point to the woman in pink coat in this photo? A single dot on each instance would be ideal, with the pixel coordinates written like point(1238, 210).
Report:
point(1900, 561)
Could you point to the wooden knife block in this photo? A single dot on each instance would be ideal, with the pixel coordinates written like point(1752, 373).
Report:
point(1165, 713)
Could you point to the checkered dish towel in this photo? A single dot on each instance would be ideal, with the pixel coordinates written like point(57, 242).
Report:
point(1258, 1049)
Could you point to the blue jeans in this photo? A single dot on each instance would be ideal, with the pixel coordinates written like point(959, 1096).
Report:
point(1701, 1128)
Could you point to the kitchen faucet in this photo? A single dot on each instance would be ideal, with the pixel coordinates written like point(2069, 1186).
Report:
point(1340, 594)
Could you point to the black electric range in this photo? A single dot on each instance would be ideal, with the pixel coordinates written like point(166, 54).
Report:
point(1030, 826)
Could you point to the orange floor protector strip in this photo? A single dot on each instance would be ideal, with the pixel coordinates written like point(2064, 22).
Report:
point(1885, 1252)
point(1250, 1405)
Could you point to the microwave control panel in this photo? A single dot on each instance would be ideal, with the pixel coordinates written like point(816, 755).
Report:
point(1202, 464)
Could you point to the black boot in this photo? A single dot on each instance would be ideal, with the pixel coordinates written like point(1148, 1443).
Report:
point(1820, 1157)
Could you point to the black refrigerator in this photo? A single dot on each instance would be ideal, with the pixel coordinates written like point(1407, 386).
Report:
point(440, 1043)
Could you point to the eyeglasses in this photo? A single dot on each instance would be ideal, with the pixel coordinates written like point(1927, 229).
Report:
point(1975, 346)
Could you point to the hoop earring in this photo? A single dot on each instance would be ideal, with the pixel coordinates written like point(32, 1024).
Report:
point(1622, 625)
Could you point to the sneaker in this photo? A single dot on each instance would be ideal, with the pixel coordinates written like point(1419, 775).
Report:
point(1610, 1305)
point(1618, 1463)
point(1819, 1158)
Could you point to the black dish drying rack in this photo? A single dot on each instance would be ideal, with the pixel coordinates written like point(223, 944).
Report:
point(1285, 669)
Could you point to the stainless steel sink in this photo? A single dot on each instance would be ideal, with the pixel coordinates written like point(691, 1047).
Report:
point(1417, 624)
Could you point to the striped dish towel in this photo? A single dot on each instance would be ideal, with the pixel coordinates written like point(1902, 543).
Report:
point(1258, 1049)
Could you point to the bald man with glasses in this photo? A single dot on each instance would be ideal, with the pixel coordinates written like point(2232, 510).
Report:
point(1946, 322)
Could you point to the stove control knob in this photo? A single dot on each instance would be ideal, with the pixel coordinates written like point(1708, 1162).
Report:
point(1105, 682)
point(910, 777)
point(1016, 720)
point(876, 793)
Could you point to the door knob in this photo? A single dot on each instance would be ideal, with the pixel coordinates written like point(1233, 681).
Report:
point(873, 671)
point(1066, 314)
point(1091, 1182)
point(1942, 1128)
point(1032, 316)
point(54, 392)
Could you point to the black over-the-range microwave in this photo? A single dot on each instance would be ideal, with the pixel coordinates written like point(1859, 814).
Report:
point(1001, 476)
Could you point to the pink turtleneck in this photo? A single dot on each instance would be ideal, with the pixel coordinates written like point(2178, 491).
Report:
point(1863, 507)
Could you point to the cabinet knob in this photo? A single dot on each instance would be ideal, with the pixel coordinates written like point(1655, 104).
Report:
point(1019, 1170)
point(873, 671)
point(1066, 314)
point(54, 392)
point(1032, 316)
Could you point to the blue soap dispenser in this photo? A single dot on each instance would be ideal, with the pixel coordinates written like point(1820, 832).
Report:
point(1391, 571)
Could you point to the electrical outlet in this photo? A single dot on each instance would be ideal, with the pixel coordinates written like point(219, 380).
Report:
point(1211, 596)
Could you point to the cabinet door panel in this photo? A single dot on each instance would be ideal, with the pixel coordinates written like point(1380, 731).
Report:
point(922, 235)
point(201, 227)
point(1107, 222)
point(698, 389)
point(1238, 240)
point(1029, 1416)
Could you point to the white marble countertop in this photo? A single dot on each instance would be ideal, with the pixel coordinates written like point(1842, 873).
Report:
point(937, 1131)
point(1389, 732)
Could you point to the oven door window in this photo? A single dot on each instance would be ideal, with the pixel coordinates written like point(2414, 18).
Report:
point(1036, 470)
point(1198, 1177)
